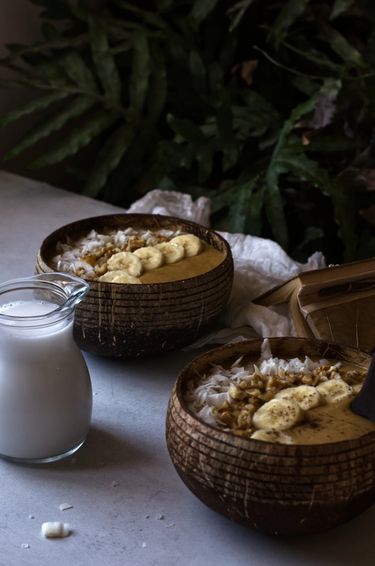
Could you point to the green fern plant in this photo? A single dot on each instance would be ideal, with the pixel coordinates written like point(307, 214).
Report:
point(265, 107)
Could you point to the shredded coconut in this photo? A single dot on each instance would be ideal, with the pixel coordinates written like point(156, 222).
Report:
point(86, 256)
point(228, 397)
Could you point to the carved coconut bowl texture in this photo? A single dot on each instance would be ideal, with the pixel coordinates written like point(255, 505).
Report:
point(136, 320)
point(275, 488)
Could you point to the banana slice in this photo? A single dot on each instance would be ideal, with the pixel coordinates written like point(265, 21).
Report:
point(119, 276)
point(125, 261)
point(191, 244)
point(272, 436)
point(334, 390)
point(278, 414)
point(172, 253)
point(150, 257)
point(306, 396)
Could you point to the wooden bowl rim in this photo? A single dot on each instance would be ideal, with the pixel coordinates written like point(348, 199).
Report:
point(260, 446)
point(139, 216)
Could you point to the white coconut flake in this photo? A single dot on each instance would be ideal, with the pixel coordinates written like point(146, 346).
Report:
point(55, 529)
point(212, 392)
point(70, 256)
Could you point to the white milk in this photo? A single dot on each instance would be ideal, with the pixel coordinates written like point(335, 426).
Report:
point(45, 389)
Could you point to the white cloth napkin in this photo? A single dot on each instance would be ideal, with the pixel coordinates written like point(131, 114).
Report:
point(259, 265)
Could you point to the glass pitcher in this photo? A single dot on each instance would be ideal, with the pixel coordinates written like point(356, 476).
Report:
point(45, 388)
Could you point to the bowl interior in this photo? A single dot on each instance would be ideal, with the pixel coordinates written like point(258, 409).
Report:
point(108, 223)
point(283, 347)
point(127, 320)
point(283, 489)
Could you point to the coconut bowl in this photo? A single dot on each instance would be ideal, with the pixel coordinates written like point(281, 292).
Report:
point(124, 320)
point(279, 489)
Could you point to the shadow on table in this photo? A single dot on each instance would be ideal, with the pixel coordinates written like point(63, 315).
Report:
point(102, 448)
point(148, 370)
point(350, 544)
point(346, 545)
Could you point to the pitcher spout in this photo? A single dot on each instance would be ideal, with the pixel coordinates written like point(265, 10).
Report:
point(73, 287)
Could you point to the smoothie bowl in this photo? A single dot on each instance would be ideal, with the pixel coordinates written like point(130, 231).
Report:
point(157, 283)
point(262, 432)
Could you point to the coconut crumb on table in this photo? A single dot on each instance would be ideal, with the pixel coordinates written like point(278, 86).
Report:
point(55, 529)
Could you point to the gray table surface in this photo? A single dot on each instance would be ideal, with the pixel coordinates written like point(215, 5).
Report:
point(129, 505)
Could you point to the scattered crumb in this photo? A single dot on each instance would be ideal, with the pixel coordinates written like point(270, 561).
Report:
point(144, 545)
point(115, 483)
point(65, 506)
point(147, 516)
point(31, 516)
point(160, 517)
point(25, 545)
point(170, 525)
point(55, 529)
point(95, 393)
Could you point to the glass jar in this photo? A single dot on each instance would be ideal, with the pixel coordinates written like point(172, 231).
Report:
point(45, 387)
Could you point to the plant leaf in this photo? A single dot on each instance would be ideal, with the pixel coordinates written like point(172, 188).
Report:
point(77, 70)
point(158, 86)
point(272, 197)
point(77, 139)
point(292, 159)
point(201, 9)
point(55, 123)
point(345, 212)
point(105, 65)
point(224, 197)
point(185, 128)
point(50, 32)
point(148, 16)
point(332, 144)
point(198, 71)
point(108, 158)
point(203, 153)
point(53, 10)
point(341, 46)
point(52, 74)
point(254, 221)
point(139, 80)
point(237, 12)
point(339, 7)
point(18, 50)
point(288, 14)
point(239, 210)
point(36, 104)
point(307, 52)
